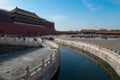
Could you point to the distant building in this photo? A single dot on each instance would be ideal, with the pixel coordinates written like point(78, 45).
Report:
point(101, 31)
point(108, 32)
point(68, 32)
point(88, 31)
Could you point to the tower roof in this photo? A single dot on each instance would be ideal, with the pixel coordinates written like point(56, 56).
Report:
point(24, 12)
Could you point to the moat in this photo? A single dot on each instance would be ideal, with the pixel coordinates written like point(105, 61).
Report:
point(75, 66)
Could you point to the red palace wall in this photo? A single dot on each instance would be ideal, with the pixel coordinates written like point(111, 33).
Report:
point(16, 29)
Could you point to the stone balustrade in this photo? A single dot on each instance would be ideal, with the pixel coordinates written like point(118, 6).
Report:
point(44, 71)
point(112, 58)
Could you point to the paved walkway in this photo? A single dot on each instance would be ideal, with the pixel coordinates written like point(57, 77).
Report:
point(13, 65)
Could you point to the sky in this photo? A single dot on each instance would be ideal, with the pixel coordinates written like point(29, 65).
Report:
point(72, 14)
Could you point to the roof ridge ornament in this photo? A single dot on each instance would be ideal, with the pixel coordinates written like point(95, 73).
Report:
point(16, 7)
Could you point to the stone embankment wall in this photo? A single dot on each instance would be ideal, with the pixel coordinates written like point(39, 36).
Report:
point(5, 48)
point(8, 45)
point(21, 41)
point(46, 70)
point(108, 56)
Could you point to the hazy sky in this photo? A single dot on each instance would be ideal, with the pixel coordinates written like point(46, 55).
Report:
point(72, 14)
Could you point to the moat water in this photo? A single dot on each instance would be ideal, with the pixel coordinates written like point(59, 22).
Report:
point(75, 66)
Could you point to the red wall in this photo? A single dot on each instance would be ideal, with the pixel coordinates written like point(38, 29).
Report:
point(15, 29)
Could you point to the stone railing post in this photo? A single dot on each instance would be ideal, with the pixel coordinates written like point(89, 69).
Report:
point(43, 63)
point(58, 50)
point(51, 58)
point(27, 73)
